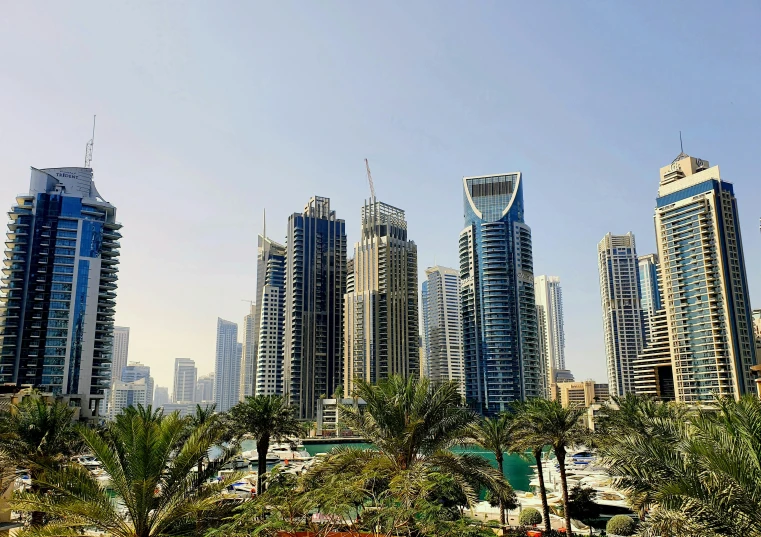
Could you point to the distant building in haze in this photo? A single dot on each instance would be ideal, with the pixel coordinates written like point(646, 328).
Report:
point(500, 333)
point(205, 389)
point(121, 351)
point(58, 288)
point(134, 371)
point(381, 311)
point(442, 326)
point(185, 374)
point(127, 394)
point(160, 396)
point(248, 359)
point(621, 309)
point(549, 312)
point(227, 366)
point(271, 311)
point(315, 281)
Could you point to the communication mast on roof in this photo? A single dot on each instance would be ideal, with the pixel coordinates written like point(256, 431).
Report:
point(88, 149)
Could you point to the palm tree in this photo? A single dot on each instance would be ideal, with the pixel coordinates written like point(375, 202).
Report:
point(495, 435)
point(38, 436)
point(267, 418)
point(151, 462)
point(700, 471)
point(560, 428)
point(530, 436)
point(205, 416)
point(411, 424)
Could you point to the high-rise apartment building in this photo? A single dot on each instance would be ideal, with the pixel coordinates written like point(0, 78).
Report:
point(315, 281)
point(549, 313)
point(653, 370)
point(442, 326)
point(705, 285)
point(121, 351)
point(185, 374)
point(227, 366)
point(271, 311)
point(160, 396)
point(649, 290)
point(621, 309)
point(500, 333)
point(248, 360)
point(127, 394)
point(205, 389)
point(135, 371)
point(381, 311)
point(58, 288)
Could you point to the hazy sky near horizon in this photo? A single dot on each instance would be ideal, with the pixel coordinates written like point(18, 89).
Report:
point(210, 112)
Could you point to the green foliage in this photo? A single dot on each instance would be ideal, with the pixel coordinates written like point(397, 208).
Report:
point(529, 517)
point(267, 418)
point(581, 503)
point(150, 460)
point(621, 525)
point(697, 472)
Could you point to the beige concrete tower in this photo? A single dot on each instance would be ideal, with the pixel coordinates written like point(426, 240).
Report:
point(381, 304)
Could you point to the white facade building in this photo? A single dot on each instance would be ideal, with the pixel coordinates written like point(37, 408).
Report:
point(621, 309)
point(205, 389)
point(227, 366)
point(126, 394)
point(121, 351)
point(549, 311)
point(442, 326)
point(185, 376)
point(248, 360)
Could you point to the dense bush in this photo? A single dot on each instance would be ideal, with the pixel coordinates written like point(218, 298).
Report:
point(620, 525)
point(529, 517)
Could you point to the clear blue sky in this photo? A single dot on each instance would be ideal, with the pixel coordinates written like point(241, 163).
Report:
point(209, 112)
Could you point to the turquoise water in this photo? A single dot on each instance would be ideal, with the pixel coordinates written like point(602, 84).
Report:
point(517, 469)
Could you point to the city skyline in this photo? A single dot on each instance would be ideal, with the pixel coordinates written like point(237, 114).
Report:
point(163, 134)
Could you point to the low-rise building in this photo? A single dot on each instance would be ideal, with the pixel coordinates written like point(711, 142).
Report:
point(583, 393)
point(328, 418)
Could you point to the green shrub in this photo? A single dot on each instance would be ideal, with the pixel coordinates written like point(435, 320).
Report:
point(529, 517)
point(621, 525)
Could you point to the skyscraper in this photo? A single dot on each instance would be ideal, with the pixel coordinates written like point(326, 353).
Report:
point(442, 326)
point(549, 312)
point(135, 371)
point(500, 333)
point(649, 293)
point(248, 361)
point(381, 315)
point(185, 374)
point(227, 366)
point(621, 309)
point(160, 396)
point(121, 351)
point(205, 389)
point(58, 288)
point(705, 286)
point(271, 311)
point(315, 281)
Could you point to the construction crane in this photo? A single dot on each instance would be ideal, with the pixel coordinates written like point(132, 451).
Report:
point(370, 180)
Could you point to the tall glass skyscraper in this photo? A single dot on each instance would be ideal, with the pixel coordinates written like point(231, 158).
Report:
point(621, 309)
point(271, 323)
point(381, 311)
point(315, 282)
point(442, 326)
point(227, 366)
point(59, 288)
point(500, 334)
point(185, 378)
point(705, 286)
point(549, 312)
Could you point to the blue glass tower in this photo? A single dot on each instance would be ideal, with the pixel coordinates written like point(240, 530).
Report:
point(59, 288)
point(500, 338)
point(315, 283)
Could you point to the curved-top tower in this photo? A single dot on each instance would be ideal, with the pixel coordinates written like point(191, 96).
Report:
point(500, 341)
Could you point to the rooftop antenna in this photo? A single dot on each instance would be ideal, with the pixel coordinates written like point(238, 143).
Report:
point(370, 180)
point(88, 149)
point(264, 223)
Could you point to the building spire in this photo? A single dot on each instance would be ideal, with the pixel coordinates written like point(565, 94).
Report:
point(264, 222)
point(90, 144)
point(681, 145)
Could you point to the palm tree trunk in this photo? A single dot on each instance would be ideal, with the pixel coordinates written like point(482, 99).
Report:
point(200, 471)
point(262, 447)
point(543, 492)
point(502, 518)
point(560, 455)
